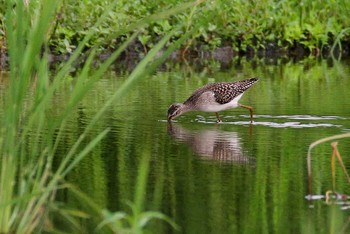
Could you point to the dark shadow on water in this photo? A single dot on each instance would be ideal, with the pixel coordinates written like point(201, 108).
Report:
point(212, 144)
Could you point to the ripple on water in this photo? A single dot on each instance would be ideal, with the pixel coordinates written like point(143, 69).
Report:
point(301, 117)
point(305, 121)
point(290, 124)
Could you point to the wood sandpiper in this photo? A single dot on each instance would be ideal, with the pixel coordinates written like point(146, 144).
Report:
point(214, 97)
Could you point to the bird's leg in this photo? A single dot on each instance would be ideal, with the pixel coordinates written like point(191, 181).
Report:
point(218, 120)
point(250, 110)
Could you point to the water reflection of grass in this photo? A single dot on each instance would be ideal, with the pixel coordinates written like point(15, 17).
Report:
point(30, 175)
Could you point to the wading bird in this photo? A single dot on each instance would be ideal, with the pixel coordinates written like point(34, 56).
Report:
point(214, 97)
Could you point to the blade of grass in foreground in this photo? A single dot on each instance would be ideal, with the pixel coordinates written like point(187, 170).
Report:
point(66, 164)
point(23, 46)
point(29, 138)
point(138, 218)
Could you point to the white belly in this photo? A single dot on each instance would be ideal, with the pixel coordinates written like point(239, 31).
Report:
point(208, 103)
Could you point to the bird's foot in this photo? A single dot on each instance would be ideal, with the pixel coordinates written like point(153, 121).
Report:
point(218, 120)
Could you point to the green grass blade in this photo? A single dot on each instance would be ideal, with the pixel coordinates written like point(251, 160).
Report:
point(316, 143)
point(84, 152)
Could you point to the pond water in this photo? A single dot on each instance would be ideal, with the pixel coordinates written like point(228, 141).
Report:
point(233, 177)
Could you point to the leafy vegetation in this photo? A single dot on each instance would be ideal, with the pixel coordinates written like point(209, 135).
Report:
point(314, 26)
point(30, 173)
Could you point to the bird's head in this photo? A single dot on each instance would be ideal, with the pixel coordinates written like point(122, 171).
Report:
point(175, 110)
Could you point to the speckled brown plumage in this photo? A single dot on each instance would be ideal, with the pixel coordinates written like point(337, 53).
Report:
point(224, 92)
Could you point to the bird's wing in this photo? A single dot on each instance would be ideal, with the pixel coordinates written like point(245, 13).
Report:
point(226, 92)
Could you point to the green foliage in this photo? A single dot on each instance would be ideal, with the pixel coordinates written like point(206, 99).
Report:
point(30, 135)
point(238, 23)
point(138, 219)
point(133, 223)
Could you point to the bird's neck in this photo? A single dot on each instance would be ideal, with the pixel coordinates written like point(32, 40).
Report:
point(186, 107)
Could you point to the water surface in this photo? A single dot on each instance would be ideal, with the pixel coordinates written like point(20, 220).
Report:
point(233, 177)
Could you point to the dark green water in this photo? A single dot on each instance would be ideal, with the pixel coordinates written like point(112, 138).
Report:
point(228, 178)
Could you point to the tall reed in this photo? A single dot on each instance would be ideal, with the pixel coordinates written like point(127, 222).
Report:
point(29, 136)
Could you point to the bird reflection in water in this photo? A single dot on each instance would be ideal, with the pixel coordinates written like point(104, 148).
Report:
point(212, 144)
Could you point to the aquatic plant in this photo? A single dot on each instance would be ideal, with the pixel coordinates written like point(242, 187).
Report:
point(30, 135)
point(335, 155)
point(331, 196)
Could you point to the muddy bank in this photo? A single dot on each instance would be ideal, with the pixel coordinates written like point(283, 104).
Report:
point(271, 52)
